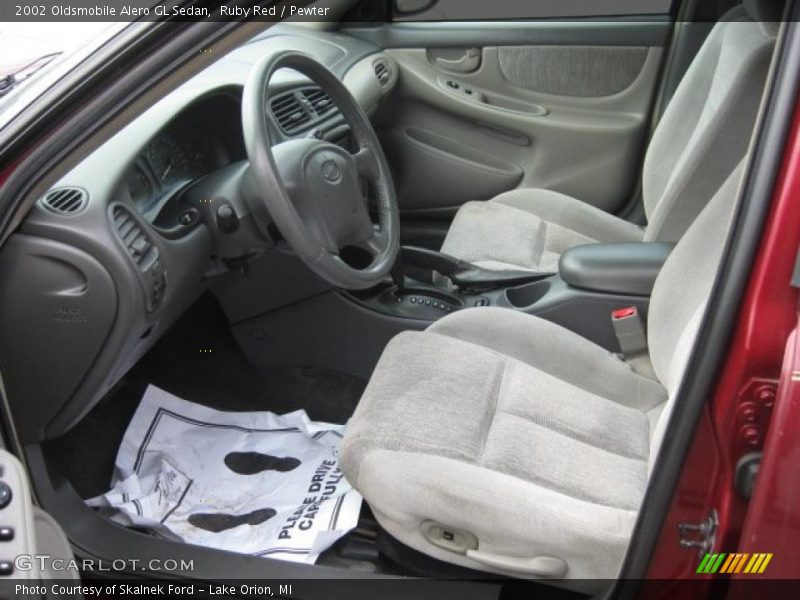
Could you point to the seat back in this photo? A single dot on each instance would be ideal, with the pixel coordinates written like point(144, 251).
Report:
point(706, 128)
point(681, 294)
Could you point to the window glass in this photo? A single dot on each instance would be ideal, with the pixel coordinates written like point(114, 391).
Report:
point(490, 10)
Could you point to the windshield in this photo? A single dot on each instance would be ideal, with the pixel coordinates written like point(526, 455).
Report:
point(23, 43)
point(34, 55)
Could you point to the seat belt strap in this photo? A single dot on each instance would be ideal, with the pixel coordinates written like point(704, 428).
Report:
point(629, 329)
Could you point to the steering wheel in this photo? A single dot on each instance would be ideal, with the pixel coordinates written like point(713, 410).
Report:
point(311, 188)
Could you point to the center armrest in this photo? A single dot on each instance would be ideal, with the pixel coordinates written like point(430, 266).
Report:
point(629, 268)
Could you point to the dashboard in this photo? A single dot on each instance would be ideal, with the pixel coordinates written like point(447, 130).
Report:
point(115, 258)
point(207, 136)
point(203, 138)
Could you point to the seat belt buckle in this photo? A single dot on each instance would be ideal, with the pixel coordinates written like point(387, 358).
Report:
point(629, 329)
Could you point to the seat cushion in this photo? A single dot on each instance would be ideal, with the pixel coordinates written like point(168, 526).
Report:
point(509, 427)
point(530, 229)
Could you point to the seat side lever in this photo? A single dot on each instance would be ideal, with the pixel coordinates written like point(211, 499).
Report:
point(546, 567)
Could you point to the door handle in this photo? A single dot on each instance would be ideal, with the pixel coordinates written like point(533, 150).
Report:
point(468, 63)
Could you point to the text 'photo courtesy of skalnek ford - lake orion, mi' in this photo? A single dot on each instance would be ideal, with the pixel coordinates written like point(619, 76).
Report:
point(400, 299)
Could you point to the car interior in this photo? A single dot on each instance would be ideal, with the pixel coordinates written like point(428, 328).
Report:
point(486, 246)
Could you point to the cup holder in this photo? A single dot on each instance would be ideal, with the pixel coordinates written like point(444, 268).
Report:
point(527, 295)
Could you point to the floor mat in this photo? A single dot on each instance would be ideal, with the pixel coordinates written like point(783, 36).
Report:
point(221, 379)
point(248, 482)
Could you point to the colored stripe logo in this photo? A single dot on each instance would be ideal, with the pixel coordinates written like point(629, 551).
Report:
point(734, 563)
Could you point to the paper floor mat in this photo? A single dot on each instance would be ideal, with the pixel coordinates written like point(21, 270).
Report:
point(255, 483)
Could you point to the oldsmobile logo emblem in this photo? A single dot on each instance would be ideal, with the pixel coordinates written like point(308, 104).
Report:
point(330, 171)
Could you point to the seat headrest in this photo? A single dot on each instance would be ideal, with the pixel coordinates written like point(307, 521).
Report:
point(766, 12)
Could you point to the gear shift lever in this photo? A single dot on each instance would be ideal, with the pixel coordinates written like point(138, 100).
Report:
point(398, 276)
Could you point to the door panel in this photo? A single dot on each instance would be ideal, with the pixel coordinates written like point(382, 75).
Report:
point(478, 112)
point(421, 156)
point(32, 542)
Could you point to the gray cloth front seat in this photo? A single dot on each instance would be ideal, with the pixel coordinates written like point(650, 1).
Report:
point(503, 442)
point(703, 135)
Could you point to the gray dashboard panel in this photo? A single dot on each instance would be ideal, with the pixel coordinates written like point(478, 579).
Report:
point(52, 336)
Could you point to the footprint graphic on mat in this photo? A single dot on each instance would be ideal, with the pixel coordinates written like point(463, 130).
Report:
point(219, 522)
point(253, 463)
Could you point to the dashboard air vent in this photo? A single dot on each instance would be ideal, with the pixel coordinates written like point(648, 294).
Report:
point(319, 101)
point(289, 112)
point(65, 201)
point(143, 252)
point(383, 72)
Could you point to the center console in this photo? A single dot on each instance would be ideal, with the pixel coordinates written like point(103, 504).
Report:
point(592, 282)
point(301, 320)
